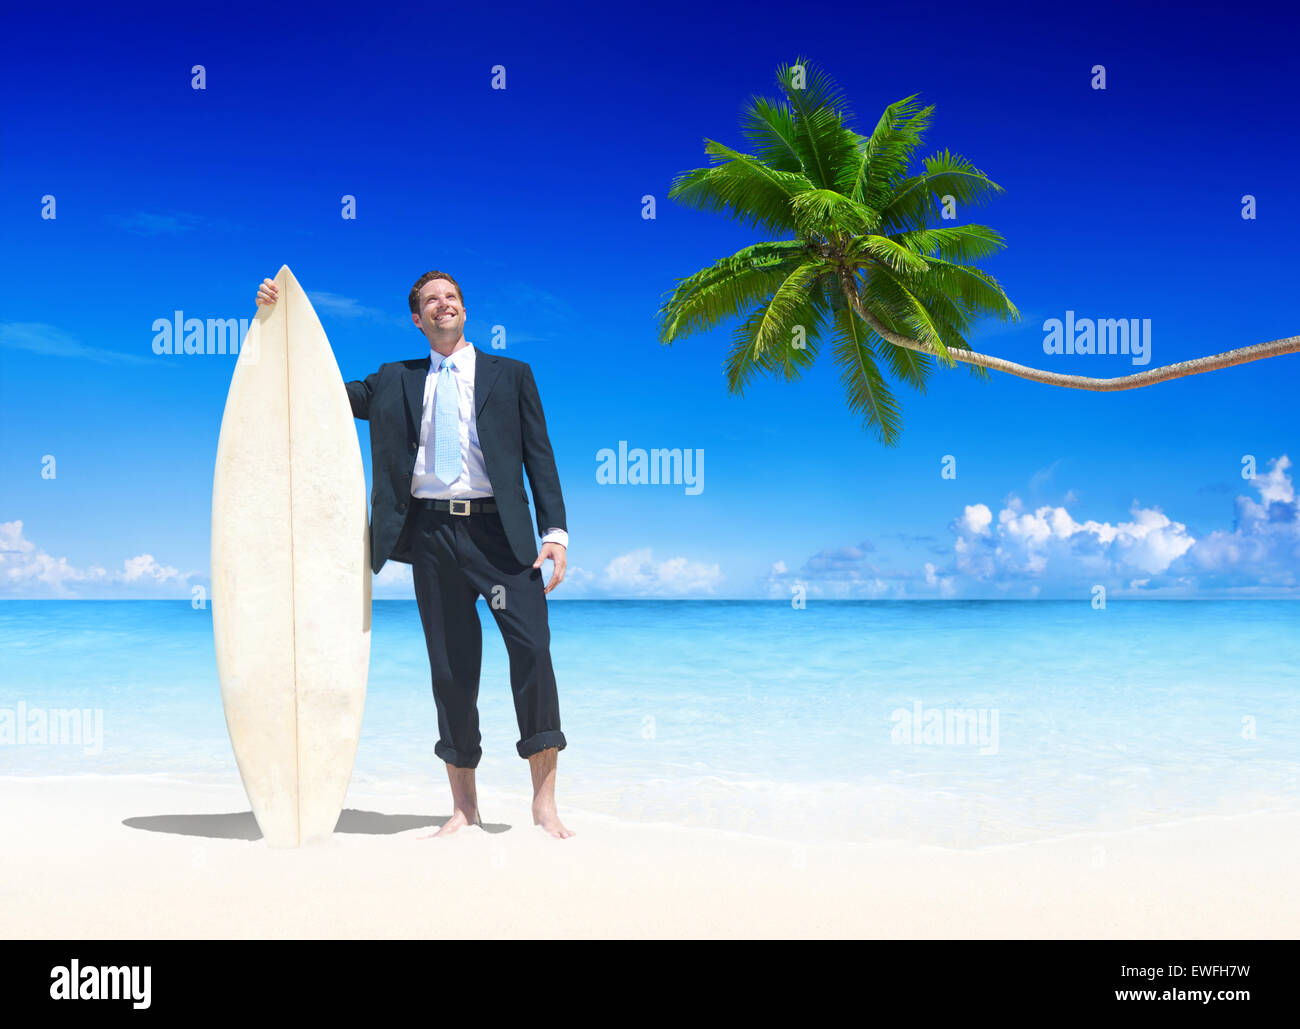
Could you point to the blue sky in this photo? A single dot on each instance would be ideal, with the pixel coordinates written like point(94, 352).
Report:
point(1120, 203)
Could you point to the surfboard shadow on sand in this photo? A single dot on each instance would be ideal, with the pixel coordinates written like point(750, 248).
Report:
point(241, 825)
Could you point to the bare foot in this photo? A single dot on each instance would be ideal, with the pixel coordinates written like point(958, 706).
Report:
point(458, 820)
point(546, 816)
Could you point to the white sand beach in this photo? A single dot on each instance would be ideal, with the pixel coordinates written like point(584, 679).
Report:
point(123, 857)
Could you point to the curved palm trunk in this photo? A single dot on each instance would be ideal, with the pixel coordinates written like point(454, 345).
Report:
point(1276, 348)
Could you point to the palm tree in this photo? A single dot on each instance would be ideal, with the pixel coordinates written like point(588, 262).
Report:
point(872, 263)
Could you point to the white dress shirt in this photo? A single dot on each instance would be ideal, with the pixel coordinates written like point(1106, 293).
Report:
point(473, 479)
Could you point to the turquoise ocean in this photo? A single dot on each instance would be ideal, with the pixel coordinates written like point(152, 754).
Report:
point(958, 724)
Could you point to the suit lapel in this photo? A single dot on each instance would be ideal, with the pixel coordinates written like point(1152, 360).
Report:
point(486, 370)
point(413, 380)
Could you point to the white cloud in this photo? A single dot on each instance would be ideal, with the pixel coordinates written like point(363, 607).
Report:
point(1048, 543)
point(394, 582)
point(27, 570)
point(638, 574)
point(1040, 477)
point(977, 518)
point(945, 584)
point(1263, 549)
point(145, 569)
point(51, 341)
point(1276, 485)
point(1149, 543)
point(348, 307)
point(154, 223)
point(1047, 551)
point(838, 572)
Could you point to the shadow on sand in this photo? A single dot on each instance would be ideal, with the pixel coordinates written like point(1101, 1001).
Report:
point(241, 825)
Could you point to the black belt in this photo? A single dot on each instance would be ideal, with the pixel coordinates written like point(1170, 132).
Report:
point(458, 507)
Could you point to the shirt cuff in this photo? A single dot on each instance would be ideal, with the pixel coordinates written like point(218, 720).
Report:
point(556, 536)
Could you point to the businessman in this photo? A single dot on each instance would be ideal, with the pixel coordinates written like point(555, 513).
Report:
point(450, 433)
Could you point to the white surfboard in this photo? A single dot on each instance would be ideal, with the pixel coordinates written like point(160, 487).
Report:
point(290, 572)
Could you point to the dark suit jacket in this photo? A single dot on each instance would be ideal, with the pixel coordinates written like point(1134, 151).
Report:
point(511, 433)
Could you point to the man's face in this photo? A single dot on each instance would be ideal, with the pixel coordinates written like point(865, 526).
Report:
point(441, 313)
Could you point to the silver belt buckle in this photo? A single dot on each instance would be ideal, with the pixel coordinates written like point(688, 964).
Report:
point(457, 511)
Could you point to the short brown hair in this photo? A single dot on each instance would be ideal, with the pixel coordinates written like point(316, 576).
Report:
point(414, 298)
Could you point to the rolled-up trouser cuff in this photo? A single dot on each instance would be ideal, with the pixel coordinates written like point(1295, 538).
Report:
point(454, 757)
point(541, 741)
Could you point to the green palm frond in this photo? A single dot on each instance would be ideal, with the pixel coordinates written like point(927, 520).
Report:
point(770, 127)
point(883, 250)
point(819, 137)
point(908, 365)
point(918, 201)
point(825, 212)
point(770, 328)
point(944, 315)
point(958, 242)
point(726, 289)
point(756, 195)
point(886, 303)
point(977, 290)
point(812, 314)
point(865, 389)
point(924, 323)
point(883, 156)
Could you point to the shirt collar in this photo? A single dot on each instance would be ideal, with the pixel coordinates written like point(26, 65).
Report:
point(462, 360)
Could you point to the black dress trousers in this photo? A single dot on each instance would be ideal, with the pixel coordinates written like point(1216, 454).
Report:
point(455, 559)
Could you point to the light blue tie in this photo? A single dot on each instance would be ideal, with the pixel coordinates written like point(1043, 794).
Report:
point(446, 427)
